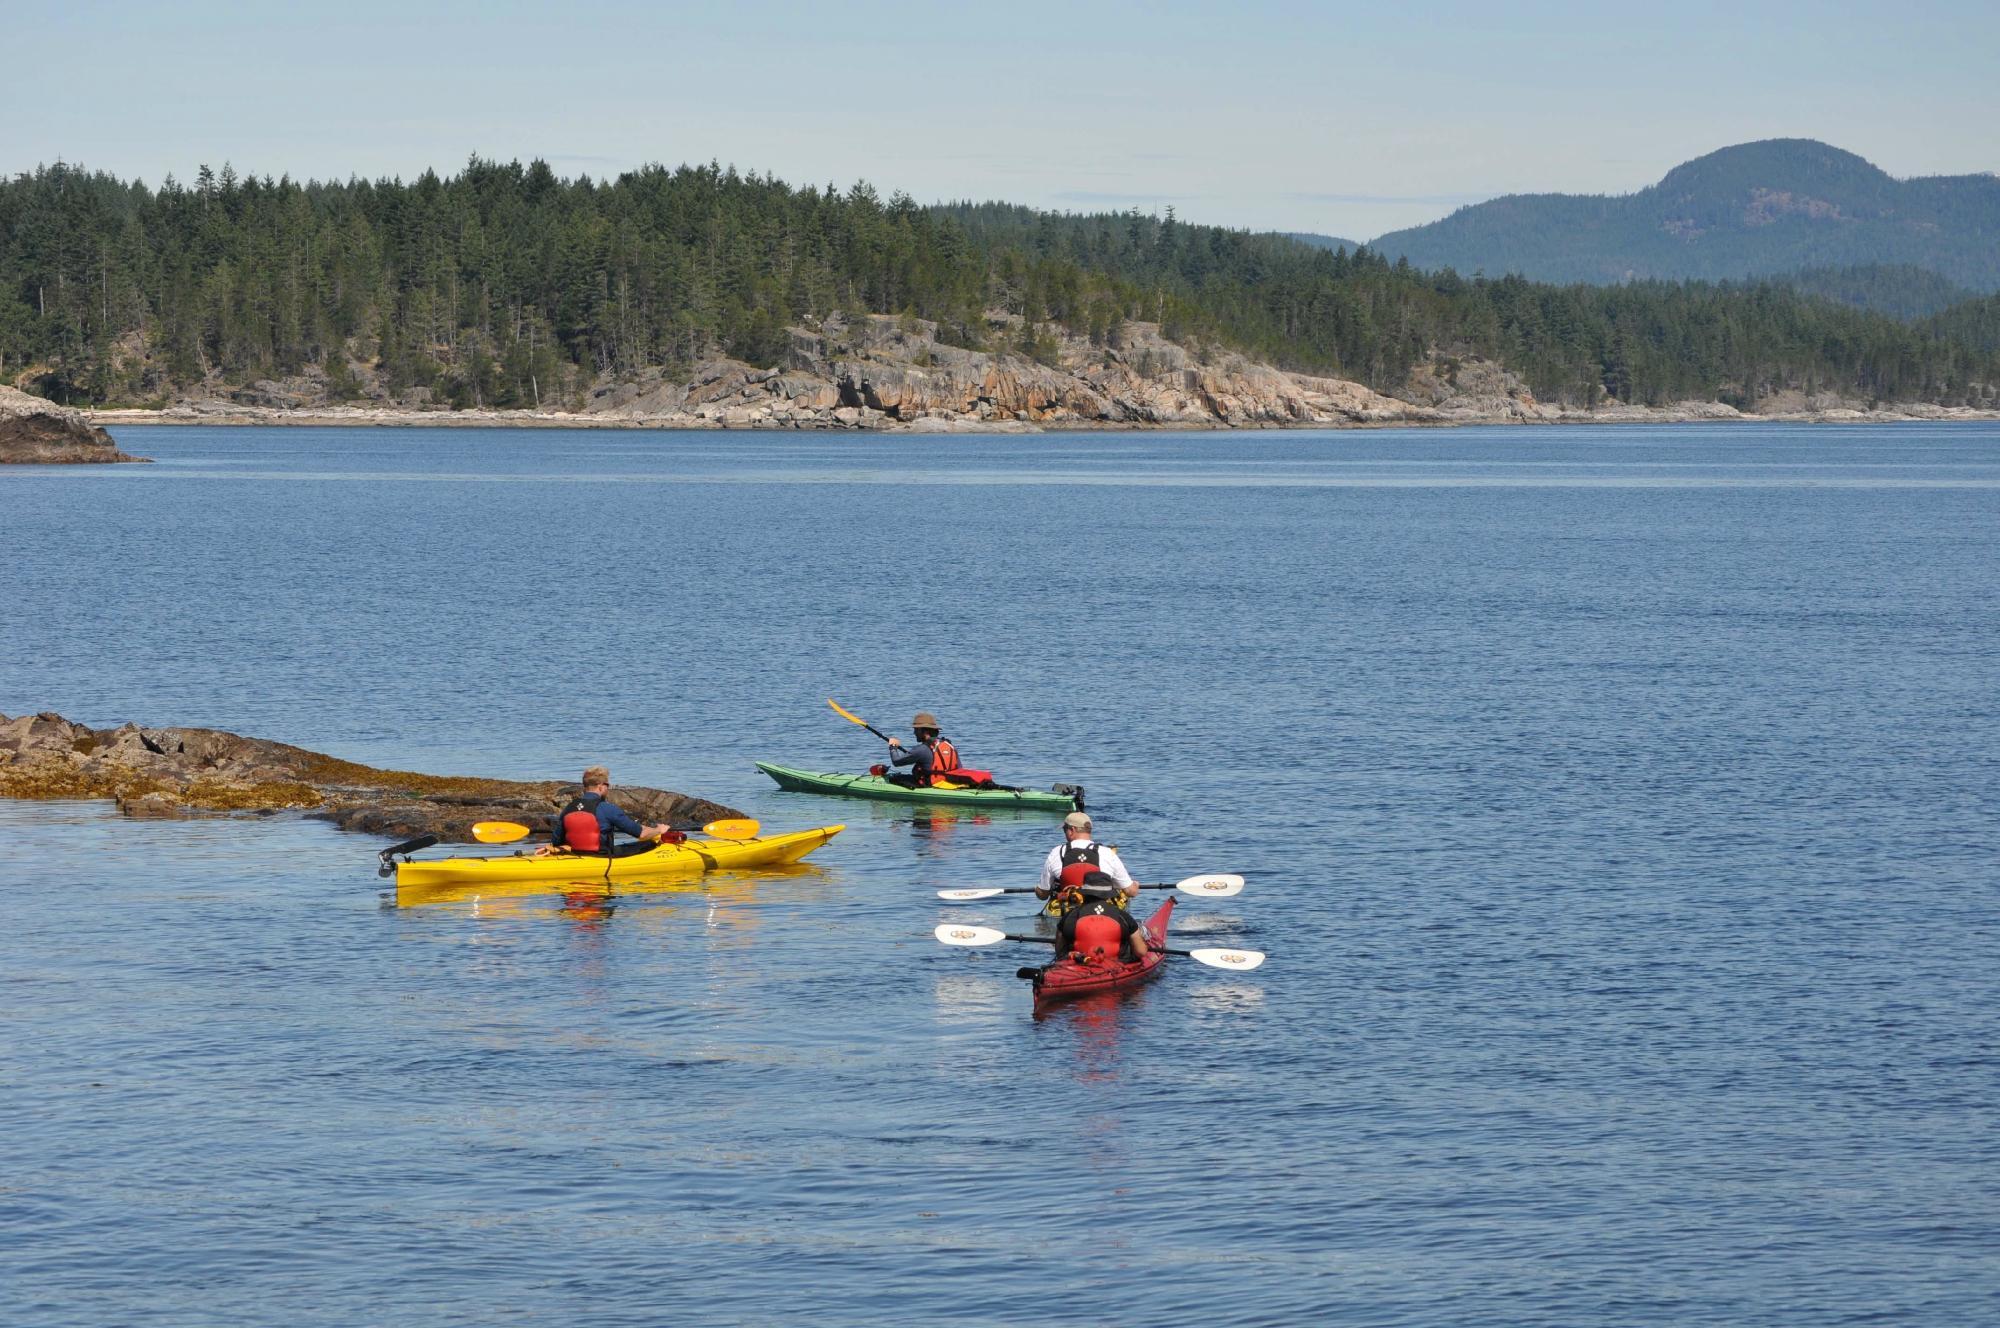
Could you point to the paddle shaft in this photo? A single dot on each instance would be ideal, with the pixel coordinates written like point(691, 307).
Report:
point(853, 718)
point(1032, 889)
point(1156, 949)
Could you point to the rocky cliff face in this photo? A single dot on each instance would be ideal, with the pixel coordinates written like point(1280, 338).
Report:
point(886, 372)
point(190, 772)
point(34, 431)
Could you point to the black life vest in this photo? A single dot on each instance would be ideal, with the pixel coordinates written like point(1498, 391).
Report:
point(580, 828)
point(1077, 865)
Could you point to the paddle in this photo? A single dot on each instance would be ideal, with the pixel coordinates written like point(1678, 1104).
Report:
point(853, 718)
point(407, 847)
point(1215, 886)
point(1242, 961)
point(506, 832)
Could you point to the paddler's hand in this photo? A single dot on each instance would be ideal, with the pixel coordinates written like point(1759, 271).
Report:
point(895, 742)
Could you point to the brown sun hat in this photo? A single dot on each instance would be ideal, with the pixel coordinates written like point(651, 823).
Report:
point(924, 720)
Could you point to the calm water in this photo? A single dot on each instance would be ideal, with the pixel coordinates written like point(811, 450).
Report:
point(1619, 808)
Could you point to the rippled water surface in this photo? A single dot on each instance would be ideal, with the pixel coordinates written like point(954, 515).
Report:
point(1619, 809)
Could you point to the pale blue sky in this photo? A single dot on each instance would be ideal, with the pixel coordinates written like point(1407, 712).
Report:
point(1342, 118)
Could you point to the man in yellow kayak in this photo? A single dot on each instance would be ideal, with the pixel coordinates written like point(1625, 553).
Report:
point(1079, 861)
point(587, 822)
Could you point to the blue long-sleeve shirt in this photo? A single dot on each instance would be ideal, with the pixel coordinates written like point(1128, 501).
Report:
point(610, 816)
point(918, 755)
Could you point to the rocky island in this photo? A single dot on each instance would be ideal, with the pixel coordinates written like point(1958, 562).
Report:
point(175, 772)
point(38, 432)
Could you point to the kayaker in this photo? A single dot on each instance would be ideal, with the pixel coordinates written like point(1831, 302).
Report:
point(1072, 863)
point(933, 755)
point(1100, 931)
point(587, 822)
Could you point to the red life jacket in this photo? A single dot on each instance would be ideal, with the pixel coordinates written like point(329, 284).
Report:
point(1099, 939)
point(579, 824)
point(944, 758)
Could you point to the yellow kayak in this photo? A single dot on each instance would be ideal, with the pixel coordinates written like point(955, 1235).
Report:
point(690, 858)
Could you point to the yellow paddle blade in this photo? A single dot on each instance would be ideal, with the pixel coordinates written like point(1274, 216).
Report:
point(845, 714)
point(499, 832)
point(733, 828)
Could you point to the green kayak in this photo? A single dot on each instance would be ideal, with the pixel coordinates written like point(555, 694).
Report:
point(1060, 798)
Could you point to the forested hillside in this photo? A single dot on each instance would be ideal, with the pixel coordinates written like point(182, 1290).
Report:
point(506, 286)
point(1975, 323)
point(1896, 289)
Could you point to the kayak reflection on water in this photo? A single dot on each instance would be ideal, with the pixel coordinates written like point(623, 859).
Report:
point(937, 825)
point(1094, 1019)
point(591, 906)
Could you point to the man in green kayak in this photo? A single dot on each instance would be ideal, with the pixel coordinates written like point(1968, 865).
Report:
point(932, 757)
point(587, 822)
point(1072, 863)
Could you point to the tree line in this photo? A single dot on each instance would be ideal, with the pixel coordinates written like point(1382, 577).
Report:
point(508, 286)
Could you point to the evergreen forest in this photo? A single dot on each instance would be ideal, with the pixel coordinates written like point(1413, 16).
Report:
point(507, 286)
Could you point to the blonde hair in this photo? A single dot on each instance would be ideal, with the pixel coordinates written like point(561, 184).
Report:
point(597, 774)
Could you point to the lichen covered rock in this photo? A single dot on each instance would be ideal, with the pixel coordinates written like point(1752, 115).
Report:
point(197, 772)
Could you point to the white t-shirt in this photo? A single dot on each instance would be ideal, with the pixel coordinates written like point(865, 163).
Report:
point(1108, 862)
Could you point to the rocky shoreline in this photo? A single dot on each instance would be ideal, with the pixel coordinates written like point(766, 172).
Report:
point(894, 375)
point(181, 772)
point(34, 432)
point(1684, 413)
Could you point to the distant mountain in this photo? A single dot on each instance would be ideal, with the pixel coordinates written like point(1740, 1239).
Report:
point(1896, 289)
point(1758, 209)
point(1318, 241)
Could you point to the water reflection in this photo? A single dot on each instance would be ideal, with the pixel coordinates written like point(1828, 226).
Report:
point(490, 897)
point(1095, 1021)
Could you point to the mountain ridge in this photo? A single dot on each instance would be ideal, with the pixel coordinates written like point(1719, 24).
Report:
point(1761, 209)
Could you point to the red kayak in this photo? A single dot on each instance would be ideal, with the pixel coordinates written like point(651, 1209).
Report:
point(1066, 977)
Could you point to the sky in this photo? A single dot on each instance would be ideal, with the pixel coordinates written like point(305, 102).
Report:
point(1344, 119)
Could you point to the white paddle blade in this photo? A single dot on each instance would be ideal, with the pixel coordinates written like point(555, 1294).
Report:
point(1240, 960)
point(969, 894)
point(1215, 886)
point(952, 934)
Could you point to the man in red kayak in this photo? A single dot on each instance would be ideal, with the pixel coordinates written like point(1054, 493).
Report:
point(586, 822)
point(1100, 931)
point(1071, 863)
point(931, 757)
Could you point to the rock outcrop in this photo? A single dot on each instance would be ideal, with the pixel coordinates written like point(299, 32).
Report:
point(38, 432)
point(885, 373)
point(191, 772)
point(888, 373)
